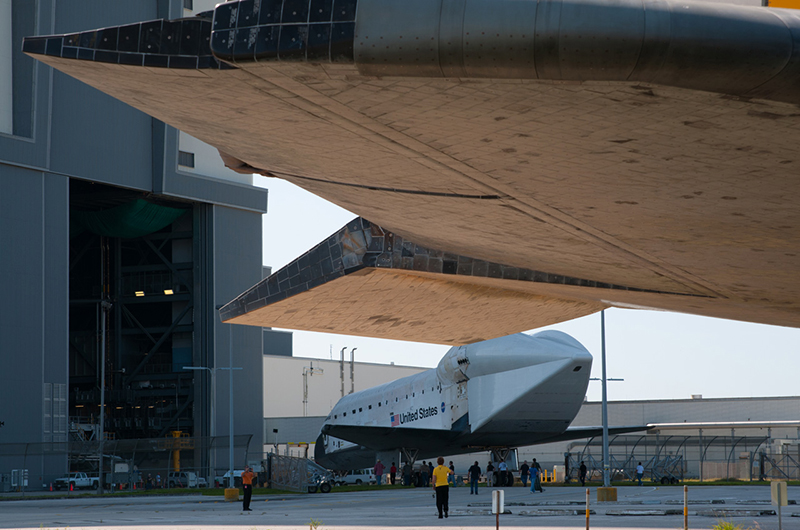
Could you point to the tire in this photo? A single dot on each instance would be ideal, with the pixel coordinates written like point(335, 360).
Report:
point(171, 484)
point(358, 482)
point(673, 480)
point(325, 487)
point(95, 485)
point(312, 489)
point(664, 480)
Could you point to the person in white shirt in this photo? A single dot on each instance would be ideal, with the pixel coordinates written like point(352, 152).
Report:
point(639, 473)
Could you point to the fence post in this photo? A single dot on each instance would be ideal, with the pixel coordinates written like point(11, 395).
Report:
point(587, 508)
point(686, 508)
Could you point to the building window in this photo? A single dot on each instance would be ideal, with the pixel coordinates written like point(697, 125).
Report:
point(185, 159)
point(188, 4)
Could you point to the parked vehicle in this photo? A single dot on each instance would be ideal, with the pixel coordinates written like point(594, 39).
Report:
point(202, 482)
point(222, 481)
point(357, 477)
point(182, 479)
point(77, 481)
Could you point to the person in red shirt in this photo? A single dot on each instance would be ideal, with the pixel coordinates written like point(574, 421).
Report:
point(247, 485)
point(392, 473)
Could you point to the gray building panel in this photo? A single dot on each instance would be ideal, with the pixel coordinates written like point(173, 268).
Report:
point(239, 256)
point(114, 140)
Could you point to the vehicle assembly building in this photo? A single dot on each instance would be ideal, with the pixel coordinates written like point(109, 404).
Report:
point(119, 237)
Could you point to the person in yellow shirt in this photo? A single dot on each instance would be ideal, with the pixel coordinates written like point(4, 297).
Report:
point(442, 486)
point(247, 486)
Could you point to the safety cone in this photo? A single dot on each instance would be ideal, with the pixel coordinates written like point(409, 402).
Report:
point(51, 486)
point(70, 486)
point(134, 486)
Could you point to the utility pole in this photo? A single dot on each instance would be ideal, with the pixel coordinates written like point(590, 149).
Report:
point(606, 463)
point(352, 371)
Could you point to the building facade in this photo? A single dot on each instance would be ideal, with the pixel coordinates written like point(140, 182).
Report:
point(119, 238)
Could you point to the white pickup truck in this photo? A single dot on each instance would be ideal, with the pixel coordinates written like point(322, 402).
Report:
point(77, 480)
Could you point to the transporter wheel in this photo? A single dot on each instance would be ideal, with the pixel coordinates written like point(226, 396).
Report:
point(325, 487)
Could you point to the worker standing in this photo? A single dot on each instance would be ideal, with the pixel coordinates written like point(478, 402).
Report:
point(247, 486)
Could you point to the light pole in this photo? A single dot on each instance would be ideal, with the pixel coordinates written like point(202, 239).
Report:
point(606, 463)
point(213, 372)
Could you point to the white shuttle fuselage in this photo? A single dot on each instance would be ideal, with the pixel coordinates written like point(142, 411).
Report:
point(505, 392)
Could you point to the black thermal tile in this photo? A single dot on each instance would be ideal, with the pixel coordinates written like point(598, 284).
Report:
point(275, 298)
point(128, 39)
point(541, 277)
point(156, 61)
point(244, 48)
point(262, 289)
point(319, 42)
point(526, 275)
point(316, 282)
point(225, 16)
point(73, 39)
point(342, 42)
point(190, 37)
point(435, 265)
point(222, 43)
point(350, 260)
point(34, 45)
point(267, 42)
point(495, 270)
point(480, 268)
point(180, 61)
point(107, 39)
point(420, 263)
point(344, 10)
point(292, 45)
point(305, 274)
point(205, 38)
point(407, 263)
point(69, 52)
point(283, 285)
point(290, 270)
point(104, 56)
point(85, 54)
point(571, 281)
point(316, 270)
point(327, 266)
point(447, 256)
point(54, 46)
point(88, 39)
point(601, 285)
point(555, 278)
point(338, 264)
point(384, 260)
point(376, 244)
point(206, 61)
point(397, 261)
point(150, 37)
point(270, 12)
point(449, 266)
point(294, 11)
point(510, 273)
point(272, 284)
point(247, 17)
point(464, 268)
point(420, 250)
point(370, 260)
point(304, 260)
point(320, 11)
point(171, 37)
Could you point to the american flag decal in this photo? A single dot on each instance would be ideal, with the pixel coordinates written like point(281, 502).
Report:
point(395, 420)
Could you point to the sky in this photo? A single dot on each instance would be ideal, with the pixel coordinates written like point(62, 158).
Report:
point(659, 355)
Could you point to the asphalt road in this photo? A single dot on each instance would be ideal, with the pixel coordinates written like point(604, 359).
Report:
point(645, 507)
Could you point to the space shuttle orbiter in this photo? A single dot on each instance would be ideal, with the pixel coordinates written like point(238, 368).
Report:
point(497, 394)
